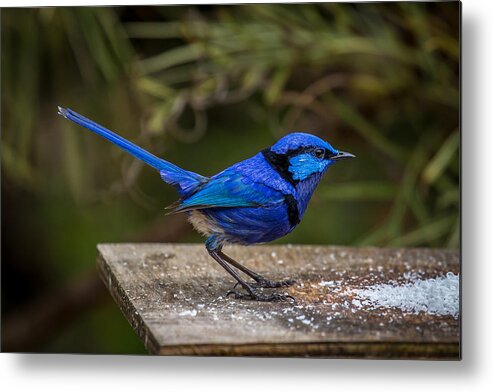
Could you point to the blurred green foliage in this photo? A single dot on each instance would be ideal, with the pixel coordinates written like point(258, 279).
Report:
point(206, 86)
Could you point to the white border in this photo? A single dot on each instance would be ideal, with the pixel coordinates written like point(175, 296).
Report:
point(127, 373)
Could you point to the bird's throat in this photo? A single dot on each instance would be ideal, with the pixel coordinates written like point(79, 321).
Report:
point(304, 192)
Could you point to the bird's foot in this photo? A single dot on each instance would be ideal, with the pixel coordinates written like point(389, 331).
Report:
point(255, 296)
point(263, 283)
point(270, 284)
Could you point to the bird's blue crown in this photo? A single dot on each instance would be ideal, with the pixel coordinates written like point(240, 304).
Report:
point(298, 140)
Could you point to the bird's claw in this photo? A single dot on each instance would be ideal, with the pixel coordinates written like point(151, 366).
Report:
point(269, 284)
point(275, 297)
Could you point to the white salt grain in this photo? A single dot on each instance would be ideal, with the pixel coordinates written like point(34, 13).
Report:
point(438, 296)
point(192, 313)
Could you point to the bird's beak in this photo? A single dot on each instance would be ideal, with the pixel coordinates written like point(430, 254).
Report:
point(342, 155)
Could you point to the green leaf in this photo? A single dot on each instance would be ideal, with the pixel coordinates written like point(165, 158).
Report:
point(153, 30)
point(440, 161)
point(425, 234)
point(154, 88)
point(278, 81)
point(453, 240)
point(170, 58)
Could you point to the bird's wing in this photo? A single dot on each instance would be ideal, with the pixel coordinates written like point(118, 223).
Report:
point(229, 189)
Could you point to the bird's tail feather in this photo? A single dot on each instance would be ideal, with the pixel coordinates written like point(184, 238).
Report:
point(182, 179)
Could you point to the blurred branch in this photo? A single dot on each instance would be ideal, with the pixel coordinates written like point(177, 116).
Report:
point(308, 98)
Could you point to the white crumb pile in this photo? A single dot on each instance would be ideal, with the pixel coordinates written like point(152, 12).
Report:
point(438, 296)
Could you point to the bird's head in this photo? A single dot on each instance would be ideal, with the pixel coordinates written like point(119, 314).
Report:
point(299, 156)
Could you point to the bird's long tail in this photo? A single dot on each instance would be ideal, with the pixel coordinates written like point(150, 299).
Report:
point(183, 180)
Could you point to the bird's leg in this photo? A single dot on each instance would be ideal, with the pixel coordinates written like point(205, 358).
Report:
point(216, 254)
point(259, 279)
point(251, 292)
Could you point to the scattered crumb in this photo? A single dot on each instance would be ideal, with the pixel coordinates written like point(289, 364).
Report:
point(192, 313)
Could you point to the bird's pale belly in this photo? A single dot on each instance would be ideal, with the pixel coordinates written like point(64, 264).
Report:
point(246, 225)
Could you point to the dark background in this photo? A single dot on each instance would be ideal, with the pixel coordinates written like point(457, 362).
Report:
point(204, 87)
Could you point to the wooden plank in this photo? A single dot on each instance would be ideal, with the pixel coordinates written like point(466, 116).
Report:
point(173, 296)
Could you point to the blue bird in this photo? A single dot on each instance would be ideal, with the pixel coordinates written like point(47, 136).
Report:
point(254, 201)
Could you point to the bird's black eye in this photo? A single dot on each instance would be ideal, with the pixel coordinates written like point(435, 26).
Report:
point(319, 153)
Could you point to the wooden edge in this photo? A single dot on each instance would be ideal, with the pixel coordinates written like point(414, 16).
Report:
point(362, 350)
point(128, 309)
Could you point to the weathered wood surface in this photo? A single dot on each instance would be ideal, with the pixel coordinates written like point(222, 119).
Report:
point(173, 296)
